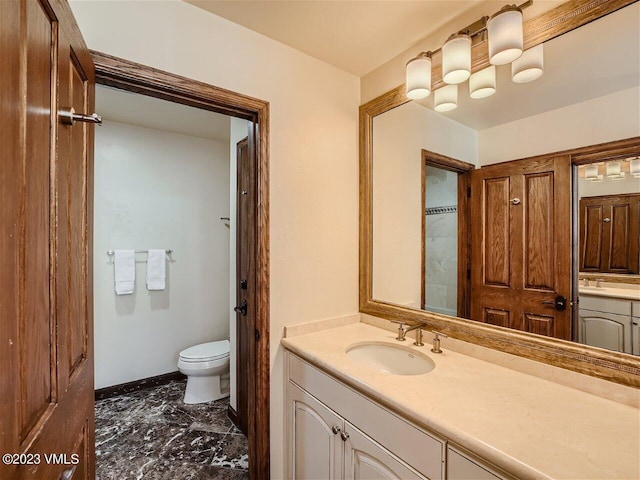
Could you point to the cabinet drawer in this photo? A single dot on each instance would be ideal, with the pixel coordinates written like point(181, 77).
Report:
point(419, 449)
point(607, 305)
point(635, 309)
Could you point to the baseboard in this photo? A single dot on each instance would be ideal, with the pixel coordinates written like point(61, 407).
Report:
point(137, 385)
point(233, 416)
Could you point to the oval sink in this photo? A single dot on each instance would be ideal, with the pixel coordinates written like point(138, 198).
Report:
point(394, 359)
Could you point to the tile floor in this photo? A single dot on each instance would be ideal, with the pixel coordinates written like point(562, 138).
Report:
point(152, 435)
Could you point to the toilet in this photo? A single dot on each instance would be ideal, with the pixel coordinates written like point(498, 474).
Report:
point(207, 369)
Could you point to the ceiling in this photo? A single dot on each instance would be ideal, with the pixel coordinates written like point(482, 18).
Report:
point(354, 35)
point(149, 112)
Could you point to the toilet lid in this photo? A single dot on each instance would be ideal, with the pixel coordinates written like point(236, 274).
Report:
point(206, 351)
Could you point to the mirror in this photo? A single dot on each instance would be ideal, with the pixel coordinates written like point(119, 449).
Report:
point(416, 252)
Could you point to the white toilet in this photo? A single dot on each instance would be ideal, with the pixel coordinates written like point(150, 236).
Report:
point(207, 369)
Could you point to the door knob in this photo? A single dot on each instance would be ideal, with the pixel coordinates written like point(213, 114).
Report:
point(70, 117)
point(68, 473)
point(515, 201)
point(560, 303)
point(242, 308)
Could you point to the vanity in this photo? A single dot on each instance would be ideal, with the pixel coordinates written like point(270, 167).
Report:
point(467, 418)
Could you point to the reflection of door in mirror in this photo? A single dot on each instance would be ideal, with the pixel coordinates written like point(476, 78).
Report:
point(445, 236)
point(609, 284)
point(521, 248)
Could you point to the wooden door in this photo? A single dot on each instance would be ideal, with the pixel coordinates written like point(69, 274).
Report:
point(609, 233)
point(521, 246)
point(245, 278)
point(315, 446)
point(46, 393)
point(365, 459)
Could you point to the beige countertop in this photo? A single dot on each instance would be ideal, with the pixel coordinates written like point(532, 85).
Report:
point(528, 426)
point(632, 293)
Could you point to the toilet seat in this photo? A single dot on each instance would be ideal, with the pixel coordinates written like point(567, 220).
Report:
point(206, 352)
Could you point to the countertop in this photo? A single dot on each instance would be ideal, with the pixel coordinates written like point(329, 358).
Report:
point(528, 426)
point(612, 292)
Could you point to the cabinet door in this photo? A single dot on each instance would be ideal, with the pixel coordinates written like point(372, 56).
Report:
point(606, 330)
point(315, 449)
point(460, 467)
point(365, 459)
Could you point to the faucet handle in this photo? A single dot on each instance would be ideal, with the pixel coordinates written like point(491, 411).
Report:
point(436, 341)
point(439, 334)
point(401, 332)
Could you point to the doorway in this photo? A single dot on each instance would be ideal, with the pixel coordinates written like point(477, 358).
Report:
point(125, 75)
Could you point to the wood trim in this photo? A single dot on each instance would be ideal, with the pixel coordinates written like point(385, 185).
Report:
point(613, 366)
point(233, 416)
point(138, 78)
point(423, 232)
point(137, 385)
point(446, 163)
point(547, 26)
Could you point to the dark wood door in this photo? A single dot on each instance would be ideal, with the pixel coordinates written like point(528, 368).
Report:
point(245, 277)
point(46, 362)
point(521, 247)
point(609, 233)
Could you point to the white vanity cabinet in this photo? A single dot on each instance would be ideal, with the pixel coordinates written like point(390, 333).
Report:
point(606, 323)
point(334, 432)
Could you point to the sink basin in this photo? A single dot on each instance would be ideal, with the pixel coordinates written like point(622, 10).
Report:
point(388, 358)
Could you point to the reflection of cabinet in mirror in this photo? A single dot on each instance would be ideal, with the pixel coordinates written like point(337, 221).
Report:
point(609, 233)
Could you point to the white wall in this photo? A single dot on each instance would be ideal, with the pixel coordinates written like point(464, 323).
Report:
point(399, 136)
point(313, 151)
point(603, 119)
point(158, 189)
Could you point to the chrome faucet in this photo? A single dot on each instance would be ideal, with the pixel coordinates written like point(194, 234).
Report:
point(402, 332)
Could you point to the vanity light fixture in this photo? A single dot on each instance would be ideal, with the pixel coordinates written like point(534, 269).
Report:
point(482, 84)
point(591, 173)
point(506, 36)
point(634, 167)
point(504, 31)
point(529, 66)
point(419, 76)
point(446, 98)
point(614, 170)
point(456, 59)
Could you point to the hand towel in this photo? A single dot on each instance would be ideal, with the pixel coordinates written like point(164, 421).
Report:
point(125, 271)
point(156, 269)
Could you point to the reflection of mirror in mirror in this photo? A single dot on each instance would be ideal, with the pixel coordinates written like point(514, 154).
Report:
point(588, 95)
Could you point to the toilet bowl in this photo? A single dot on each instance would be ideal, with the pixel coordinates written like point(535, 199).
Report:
point(207, 369)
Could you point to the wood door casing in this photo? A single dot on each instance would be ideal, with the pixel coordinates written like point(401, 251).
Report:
point(521, 250)
point(609, 233)
point(47, 406)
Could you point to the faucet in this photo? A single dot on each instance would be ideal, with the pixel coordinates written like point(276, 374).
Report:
point(402, 332)
point(598, 280)
point(436, 341)
point(585, 282)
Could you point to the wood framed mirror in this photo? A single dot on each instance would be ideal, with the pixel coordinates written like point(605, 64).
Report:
point(535, 340)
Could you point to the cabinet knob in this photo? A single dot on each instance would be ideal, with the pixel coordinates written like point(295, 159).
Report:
point(335, 429)
point(344, 436)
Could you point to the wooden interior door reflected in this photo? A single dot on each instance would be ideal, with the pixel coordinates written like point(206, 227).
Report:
point(521, 247)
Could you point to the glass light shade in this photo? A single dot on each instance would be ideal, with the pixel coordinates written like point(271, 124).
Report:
point(614, 170)
point(456, 59)
point(446, 98)
point(529, 66)
point(418, 80)
point(591, 173)
point(505, 36)
point(483, 83)
point(634, 167)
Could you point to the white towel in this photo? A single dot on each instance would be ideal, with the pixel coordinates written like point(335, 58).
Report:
point(156, 269)
point(125, 271)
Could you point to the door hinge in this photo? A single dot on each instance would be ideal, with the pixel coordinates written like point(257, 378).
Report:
point(468, 192)
point(468, 274)
point(257, 334)
point(243, 284)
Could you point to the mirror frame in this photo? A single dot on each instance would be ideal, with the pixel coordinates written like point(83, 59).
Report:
point(613, 366)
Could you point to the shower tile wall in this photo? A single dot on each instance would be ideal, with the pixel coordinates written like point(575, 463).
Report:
point(441, 242)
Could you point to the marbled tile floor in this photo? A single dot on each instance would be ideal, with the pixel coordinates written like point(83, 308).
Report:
point(152, 435)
